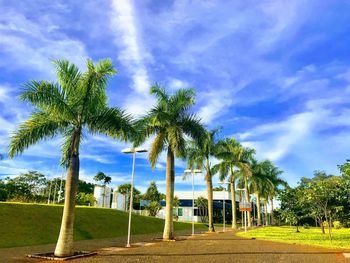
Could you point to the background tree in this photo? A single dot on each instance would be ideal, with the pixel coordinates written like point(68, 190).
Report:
point(152, 193)
point(202, 205)
point(199, 156)
point(125, 189)
point(104, 179)
point(170, 122)
point(153, 196)
point(75, 105)
point(231, 155)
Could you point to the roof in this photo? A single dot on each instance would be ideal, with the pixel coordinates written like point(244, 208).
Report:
point(188, 203)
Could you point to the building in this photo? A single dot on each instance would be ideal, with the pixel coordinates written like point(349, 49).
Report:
point(103, 196)
point(184, 211)
point(119, 201)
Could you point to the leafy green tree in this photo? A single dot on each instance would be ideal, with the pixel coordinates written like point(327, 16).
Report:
point(293, 210)
point(152, 193)
point(199, 156)
point(202, 204)
point(25, 187)
point(85, 187)
point(154, 196)
point(345, 169)
point(3, 191)
point(170, 122)
point(153, 208)
point(85, 199)
point(74, 105)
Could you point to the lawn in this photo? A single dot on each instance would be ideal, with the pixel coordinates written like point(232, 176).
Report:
point(33, 224)
point(312, 236)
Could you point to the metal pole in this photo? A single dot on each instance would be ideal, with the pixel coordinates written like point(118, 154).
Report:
point(253, 213)
point(131, 196)
point(60, 192)
point(223, 203)
point(48, 199)
point(54, 191)
point(245, 221)
point(192, 203)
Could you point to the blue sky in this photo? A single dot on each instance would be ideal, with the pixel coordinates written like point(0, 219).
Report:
point(274, 74)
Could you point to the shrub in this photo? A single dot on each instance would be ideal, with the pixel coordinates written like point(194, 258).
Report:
point(306, 226)
point(337, 225)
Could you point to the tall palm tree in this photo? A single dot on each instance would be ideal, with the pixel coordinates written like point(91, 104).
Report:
point(100, 176)
point(245, 173)
point(232, 156)
point(74, 105)
point(170, 122)
point(199, 155)
point(257, 181)
point(273, 175)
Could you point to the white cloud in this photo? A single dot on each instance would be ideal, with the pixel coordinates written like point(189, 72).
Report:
point(124, 25)
point(30, 46)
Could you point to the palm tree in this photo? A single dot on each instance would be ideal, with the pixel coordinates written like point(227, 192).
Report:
point(100, 176)
point(232, 156)
point(74, 105)
point(256, 184)
point(245, 173)
point(273, 175)
point(170, 122)
point(199, 155)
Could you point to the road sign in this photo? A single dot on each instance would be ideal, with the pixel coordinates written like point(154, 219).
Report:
point(245, 206)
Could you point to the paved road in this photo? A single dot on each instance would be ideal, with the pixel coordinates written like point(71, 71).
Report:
point(217, 247)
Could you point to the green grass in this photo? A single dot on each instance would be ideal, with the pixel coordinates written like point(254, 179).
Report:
point(312, 236)
point(33, 224)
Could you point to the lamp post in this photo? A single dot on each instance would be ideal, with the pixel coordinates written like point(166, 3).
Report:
point(191, 171)
point(245, 212)
point(224, 205)
point(133, 151)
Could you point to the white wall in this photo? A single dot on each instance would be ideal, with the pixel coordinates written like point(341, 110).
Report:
point(103, 196)
point(119, 201)
point(217, 195)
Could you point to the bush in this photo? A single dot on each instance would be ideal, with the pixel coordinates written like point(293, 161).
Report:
point(306, 226)
point(337, 225)
point(325, 223)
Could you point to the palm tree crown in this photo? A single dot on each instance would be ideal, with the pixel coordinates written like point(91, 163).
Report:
point(170, 122)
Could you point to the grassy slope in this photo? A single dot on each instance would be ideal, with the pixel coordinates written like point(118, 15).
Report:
point(312, 236)
point(32, 224)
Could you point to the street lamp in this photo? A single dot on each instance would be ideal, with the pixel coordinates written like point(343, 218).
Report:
point(224, 205)
point(244, 212)
point(191, 171)
point(133, 151)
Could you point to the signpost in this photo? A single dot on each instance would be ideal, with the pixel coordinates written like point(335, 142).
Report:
point(245, 207)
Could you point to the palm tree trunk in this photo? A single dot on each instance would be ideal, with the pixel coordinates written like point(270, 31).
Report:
point(64, 246)
point(271, 211)
point(233, 200)
point(210, 202)
point(168, 233)
point(266, 214)
point(258, 210)
point(248, 200)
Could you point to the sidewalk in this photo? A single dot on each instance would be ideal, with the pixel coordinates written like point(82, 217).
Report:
point(216, 247)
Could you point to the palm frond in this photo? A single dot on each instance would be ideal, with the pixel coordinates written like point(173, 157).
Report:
point(158, 146)
point(39, 126)
point(112, 122)
point(48, 97)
